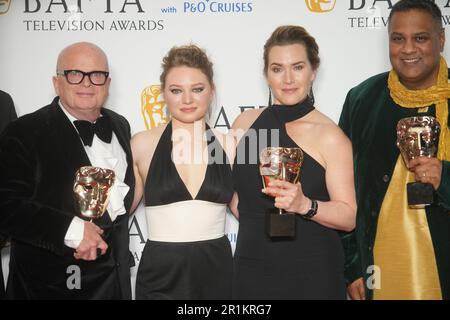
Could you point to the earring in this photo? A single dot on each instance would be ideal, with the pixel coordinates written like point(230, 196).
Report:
point(270, 97)
point(311, 96)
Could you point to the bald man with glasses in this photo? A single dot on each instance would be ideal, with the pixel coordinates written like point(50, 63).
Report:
point(55, 252)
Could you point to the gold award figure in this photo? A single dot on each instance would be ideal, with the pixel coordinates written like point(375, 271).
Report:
point(91, 189)
point(154, 110)
point(320, 5)
point(277, 163)
point(418, 137)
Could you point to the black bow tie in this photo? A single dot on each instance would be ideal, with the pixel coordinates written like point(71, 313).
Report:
point(101, 127)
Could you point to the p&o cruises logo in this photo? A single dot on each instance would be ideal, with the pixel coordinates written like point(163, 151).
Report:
point(320, 6)
point(4, 6)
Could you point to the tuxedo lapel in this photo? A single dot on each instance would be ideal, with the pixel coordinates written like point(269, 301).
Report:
point(68, 149)
point(69, 142)
point(123, 136)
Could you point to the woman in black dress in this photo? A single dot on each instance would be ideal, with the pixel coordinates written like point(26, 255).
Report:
point(183, 172)
point(310, 265)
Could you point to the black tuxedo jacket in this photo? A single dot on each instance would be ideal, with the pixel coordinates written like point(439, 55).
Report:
point(7, 111)
point(39, 155)
point(7, 114)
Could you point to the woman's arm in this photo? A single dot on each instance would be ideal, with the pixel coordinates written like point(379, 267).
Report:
point(233, 205)
point(143, 146)
point(238, 129)
point(139, 184)
point(340, 212)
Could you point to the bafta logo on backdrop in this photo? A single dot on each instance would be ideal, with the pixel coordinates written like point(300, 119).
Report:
point(153, 108)
point(4, 6)
point(320, 5)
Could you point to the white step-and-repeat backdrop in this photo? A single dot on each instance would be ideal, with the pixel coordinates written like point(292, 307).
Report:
point(136, 34)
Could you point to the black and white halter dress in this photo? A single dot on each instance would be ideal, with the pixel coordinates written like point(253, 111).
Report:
point(187, 255)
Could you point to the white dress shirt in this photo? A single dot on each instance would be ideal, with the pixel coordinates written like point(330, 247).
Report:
point(105, 155)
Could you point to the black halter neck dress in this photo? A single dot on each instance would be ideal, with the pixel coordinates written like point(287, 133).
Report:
point(310, 266)
point(187, 255)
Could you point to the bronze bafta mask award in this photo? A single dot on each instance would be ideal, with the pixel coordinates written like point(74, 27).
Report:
point(91, 189)
point(418, 136)
point(280, 164)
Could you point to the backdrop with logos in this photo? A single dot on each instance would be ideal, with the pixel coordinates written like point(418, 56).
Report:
point(136, 34)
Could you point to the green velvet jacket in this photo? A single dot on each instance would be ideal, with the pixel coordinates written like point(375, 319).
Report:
point(369, 118)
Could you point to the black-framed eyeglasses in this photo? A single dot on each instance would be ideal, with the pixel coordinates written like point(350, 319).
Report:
point(97, 78)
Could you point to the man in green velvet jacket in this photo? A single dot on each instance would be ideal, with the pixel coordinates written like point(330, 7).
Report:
point(369, 118)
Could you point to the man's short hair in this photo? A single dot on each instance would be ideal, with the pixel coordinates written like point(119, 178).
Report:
point(423, 5)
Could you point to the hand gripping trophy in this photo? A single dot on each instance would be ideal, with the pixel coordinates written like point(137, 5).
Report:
point(91, 189)
point(282, 164)
point(418, 136)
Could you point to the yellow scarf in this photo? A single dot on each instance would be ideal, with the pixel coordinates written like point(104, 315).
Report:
point(437, 94)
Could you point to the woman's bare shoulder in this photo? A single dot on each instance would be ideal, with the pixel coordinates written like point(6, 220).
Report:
point(331, 136)
point(146, 141)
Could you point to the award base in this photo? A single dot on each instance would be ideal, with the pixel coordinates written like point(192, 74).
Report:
point(280, 225)
point(420, 194)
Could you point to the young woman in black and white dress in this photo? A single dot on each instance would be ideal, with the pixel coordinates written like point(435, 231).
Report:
point(184, 175)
